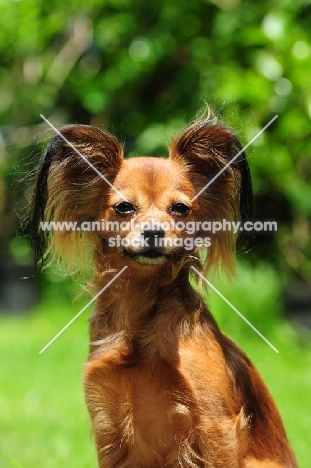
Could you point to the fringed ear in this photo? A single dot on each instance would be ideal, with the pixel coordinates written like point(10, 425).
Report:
point(69, 188)
point(217, 166)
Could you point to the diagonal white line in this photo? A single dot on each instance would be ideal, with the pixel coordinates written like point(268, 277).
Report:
point(82, 156)
point(82, 310)
point(235, 157)
point(236, 310)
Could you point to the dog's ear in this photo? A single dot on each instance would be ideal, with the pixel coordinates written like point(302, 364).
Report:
point(217, 167)
point(72, 182)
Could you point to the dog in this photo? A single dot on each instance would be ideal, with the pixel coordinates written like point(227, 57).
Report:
point(165, 388)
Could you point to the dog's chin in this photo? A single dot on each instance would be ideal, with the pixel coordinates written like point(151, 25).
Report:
point(148, 257)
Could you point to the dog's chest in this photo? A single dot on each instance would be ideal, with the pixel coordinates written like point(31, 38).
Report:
point(151, 405)
point(146, 406)
point(158, 409)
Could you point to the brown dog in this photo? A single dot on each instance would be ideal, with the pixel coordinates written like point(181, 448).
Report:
point(164, 387)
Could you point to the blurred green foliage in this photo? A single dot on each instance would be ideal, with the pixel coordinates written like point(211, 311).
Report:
point(143, 70)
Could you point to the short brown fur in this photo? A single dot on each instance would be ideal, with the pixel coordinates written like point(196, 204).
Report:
point(164, 387)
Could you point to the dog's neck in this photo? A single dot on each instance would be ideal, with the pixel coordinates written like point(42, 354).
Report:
point(131, 301)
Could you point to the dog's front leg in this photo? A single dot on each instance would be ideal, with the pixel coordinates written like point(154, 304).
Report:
point(104, 407)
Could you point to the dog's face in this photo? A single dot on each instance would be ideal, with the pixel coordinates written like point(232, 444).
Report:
point(150, 222)
point(151, 203)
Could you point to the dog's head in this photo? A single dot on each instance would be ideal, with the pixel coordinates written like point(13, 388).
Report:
point(143, 212)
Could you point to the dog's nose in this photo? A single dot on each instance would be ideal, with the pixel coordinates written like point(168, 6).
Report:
point(152, 236)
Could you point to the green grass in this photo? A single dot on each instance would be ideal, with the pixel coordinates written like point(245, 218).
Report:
point(44, 422)
point(43, 418)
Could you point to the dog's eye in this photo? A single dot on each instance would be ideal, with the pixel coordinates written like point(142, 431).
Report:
point(180, 209)
point(124, 208)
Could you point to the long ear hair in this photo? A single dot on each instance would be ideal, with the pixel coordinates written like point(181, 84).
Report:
point(205, 149)
point(69, 188)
